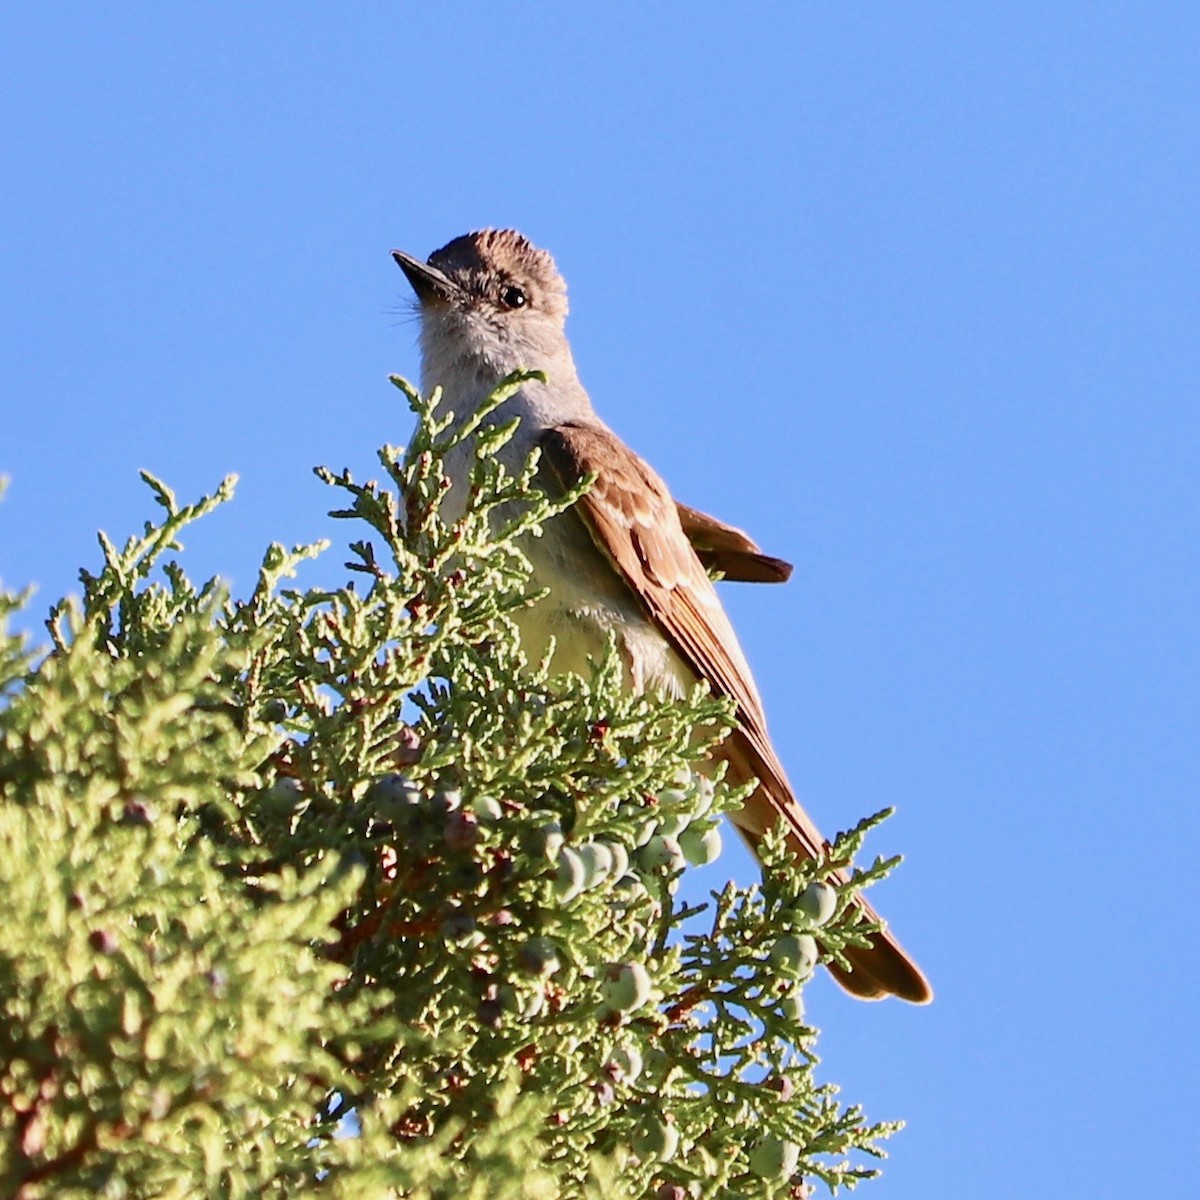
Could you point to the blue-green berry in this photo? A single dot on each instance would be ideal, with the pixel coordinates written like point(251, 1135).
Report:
point(597, 862)
point(817, 904)
point(570, 876)
point(539, 956)
point(700, 846)
point(791, 1007)
point(655, 1140)
point(624, 1064)
point(774, 1158)
point(394, 798)
point(487, 808)
point(794, 955)
point(620, 857)
point(661, 853)
point(549, 837)
point(624, 987)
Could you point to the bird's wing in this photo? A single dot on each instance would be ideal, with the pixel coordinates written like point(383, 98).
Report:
point(636, 525)
point(730, 552)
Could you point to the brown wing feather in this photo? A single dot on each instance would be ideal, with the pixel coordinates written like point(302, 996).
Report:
point(728, 551)
point(636, 524)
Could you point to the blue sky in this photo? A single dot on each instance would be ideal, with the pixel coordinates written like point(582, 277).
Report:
point(909, 291)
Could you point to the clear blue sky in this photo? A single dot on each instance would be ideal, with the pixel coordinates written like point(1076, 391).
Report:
point(909, 291)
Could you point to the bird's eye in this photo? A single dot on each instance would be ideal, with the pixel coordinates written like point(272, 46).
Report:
point(512, 296)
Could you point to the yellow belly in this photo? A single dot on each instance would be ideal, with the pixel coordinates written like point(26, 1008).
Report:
point(586, 604)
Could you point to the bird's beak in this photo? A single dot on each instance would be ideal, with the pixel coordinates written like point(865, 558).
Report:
point(428, 282)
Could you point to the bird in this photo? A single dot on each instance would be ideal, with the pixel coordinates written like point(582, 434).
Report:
point(626, 561)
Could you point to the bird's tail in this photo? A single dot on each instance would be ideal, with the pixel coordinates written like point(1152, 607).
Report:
point(884, 968)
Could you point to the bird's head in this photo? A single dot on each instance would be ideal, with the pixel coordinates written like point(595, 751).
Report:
point(490, 302)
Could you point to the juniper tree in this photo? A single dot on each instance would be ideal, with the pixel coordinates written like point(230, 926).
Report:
point(334, 893)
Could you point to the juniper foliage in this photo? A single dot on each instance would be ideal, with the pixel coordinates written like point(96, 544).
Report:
point(312, 863)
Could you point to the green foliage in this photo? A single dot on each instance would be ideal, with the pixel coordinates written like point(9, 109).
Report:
point(270, 862)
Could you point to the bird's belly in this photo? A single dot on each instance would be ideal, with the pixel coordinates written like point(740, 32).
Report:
point(586, 603)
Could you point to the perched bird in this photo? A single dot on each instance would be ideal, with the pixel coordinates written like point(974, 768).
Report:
point(626, 559)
